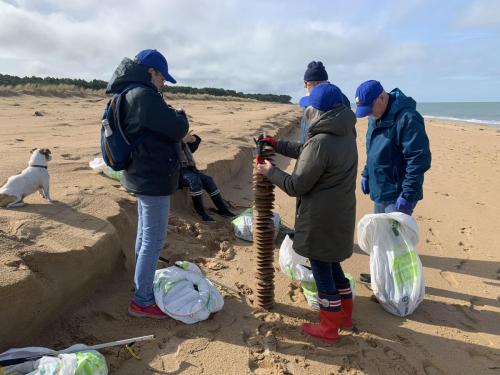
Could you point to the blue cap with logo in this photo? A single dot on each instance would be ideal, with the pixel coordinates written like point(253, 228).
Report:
point(323, 97)
point(154, 59)
point(366, 94)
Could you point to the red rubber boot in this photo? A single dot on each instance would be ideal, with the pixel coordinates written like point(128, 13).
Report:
point(345, 293)
point(331, 317)
point(347, 309)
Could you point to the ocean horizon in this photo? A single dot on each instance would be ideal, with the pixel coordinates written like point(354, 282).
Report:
point(486, 113)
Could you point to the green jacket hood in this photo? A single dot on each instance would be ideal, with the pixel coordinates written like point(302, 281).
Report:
point(126, 73)
point(339, 121)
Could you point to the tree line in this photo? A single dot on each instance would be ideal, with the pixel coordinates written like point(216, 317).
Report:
point(8, 80)
point(96, 84)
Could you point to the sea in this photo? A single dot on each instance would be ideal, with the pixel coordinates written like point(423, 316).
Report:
point(487, 113)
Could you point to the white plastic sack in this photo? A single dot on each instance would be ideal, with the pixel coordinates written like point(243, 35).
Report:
point(397, 278)
point(243, 225)
point(183, 293)
point(295, 266)
point(100, 166)
point(80, 363)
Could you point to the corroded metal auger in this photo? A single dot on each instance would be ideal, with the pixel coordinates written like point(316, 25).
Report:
point(263, 230)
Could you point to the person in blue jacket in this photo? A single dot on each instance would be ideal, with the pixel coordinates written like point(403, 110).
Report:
point(397, 149)
point(314, 75)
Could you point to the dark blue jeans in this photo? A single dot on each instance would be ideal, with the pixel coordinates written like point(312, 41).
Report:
point(197, 181)
point(329, 276)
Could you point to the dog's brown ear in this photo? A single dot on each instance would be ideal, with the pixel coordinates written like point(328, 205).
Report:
point(46, 152)
point(33, 150)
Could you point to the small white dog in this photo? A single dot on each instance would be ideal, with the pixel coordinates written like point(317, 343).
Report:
point(34, 177)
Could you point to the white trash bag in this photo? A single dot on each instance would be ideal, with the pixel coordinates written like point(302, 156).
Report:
point(183, 293)
point(397, 278)
point(84, 362)
point(295, 266)
point(100, 166)
point(243, 225)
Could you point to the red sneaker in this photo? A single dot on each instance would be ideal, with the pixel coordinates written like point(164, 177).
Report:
point(151, 311)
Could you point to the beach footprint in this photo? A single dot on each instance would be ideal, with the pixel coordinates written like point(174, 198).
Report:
point(70, 157)
point(449, 278)
point(434, 240)
point(262, 357)
point(168, 360)
point(431, 369)
point(467, 231)
point(460, 264)
point(293, 292)
point(243, 288)
point(391, 357)
point(466, 312)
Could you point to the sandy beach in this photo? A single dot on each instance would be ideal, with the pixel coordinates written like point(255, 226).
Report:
point(66, 269)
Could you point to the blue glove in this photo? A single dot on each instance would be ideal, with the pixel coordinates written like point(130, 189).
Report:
point(365, 188)
point(404, 205)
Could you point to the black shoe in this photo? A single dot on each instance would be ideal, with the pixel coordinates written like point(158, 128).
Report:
point(227, 214)
point(200, 210)
point(207, 218)
point(365, 278)
point(222, 209)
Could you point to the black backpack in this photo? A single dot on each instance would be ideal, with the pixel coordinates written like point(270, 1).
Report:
point(116, 149)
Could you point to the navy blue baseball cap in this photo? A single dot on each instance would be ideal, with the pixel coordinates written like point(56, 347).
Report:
point(323, 97)
point(366, 94)
point(154, 59)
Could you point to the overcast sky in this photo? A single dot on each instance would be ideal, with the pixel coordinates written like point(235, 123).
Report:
point(432, 50)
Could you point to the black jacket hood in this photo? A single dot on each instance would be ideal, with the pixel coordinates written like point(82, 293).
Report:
point(126, 73)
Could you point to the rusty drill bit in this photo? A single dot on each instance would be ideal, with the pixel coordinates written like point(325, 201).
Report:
point(263, 234)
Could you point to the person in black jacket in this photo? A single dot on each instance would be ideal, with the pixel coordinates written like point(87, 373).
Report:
point(196, 181)
point(153, 174)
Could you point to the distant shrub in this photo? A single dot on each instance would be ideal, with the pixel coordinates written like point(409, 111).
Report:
point(227, 93)
point(13, 85)
point(8, 80)
point(58, 90)
point(180, 96)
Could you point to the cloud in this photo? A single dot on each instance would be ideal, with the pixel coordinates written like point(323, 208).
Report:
point(481, 14)
point(257, 46)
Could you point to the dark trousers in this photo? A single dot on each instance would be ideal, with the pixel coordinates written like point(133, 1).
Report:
point(197, 182)
point(329, 276)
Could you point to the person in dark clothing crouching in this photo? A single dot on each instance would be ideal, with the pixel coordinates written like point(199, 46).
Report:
point(196, 181)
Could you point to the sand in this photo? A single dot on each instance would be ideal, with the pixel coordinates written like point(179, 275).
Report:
point(66, 269)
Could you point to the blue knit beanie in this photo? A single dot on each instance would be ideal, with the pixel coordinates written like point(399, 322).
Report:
point(315, 72)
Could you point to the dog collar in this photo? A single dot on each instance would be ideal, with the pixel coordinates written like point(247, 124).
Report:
point(38, 166)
